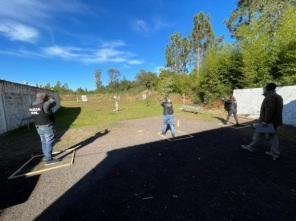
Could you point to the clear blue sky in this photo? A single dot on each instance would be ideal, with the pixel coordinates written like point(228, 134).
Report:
point(66, 40)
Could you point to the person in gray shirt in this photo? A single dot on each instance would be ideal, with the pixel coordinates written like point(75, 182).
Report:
point(271, 115)
point(168, 116)
point(231, 107)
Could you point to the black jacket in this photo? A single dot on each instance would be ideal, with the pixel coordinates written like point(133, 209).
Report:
point(272, 109)
point(42, 112)
point(167, 108)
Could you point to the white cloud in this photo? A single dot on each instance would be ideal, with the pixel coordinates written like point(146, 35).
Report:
point(143, 26)
point(113, 44)
point(108, 52)
point(23, 15)
point(22, 53)
point(33, 11)
point(135, 61)
point(58, 51)
point(160, 24)
point(18, 32)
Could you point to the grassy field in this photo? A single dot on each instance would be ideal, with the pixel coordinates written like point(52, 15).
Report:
point(77, 121)
point(97, 112)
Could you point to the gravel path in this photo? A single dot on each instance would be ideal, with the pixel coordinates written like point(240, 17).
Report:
point(51, 185)
point(132, 173)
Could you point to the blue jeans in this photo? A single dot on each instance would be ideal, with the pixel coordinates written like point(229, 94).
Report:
point(47, 139)
point(168, 120)
point(273, 140)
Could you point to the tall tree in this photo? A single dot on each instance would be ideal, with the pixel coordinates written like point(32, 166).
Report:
point(65, 87)
point(177, 52)
point(259, 41)
point(58, 86)
point(284, 69)
point(267, 11)
point(47, 86)
point(221, 72)
point(166, 83)
point(114, 76)
point(202, 37)
point(146, 80)
point(98, 80)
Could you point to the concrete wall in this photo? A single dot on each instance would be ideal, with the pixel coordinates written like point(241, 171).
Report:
point(15, 100)
point(249, 102)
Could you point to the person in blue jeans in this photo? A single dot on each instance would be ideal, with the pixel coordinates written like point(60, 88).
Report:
point(42, 114)
point(271, 113)
point(168, 116)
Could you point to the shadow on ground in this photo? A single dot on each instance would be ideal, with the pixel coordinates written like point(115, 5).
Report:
point(81, 144)
point(207, 177)
point(17, 147)
point(222, 120)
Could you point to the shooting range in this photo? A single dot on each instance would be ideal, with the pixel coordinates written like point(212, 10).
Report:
point(148, 110)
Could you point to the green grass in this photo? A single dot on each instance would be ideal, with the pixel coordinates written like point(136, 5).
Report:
point(76, 121)
point(94, 114)
point(98, 112)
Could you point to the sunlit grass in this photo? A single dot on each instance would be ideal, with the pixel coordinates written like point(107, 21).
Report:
point(98, 112)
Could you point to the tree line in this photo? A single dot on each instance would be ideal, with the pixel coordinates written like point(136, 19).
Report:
point(205, 67)
point(264, 50)
point(144, 80)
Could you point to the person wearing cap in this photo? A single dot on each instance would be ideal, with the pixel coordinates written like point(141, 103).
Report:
point(168, 116)
point(42, 114)
point(270, 113)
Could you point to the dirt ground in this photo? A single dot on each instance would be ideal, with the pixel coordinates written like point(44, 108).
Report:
point(132, 173)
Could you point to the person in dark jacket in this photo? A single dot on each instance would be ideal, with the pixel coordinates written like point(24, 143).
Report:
point(42, 114)
point(270, 114)
point(168, 116)
point(231, 108)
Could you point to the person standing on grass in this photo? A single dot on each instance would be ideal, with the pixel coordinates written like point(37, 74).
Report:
point(42, 114)
point(270, 115)
point(168, 116)
point(231, 107)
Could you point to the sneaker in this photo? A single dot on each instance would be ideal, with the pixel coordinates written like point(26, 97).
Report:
point(274, 156)
point(248, 148)
point(51, 162)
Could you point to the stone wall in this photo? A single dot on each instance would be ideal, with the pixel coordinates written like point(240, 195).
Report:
point(15, 100)
point(249, 102)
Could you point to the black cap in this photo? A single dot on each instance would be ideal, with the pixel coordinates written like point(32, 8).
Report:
point(270, 86)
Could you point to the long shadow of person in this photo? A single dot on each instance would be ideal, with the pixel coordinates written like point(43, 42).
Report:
point(81, 144)
point(16, 191)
